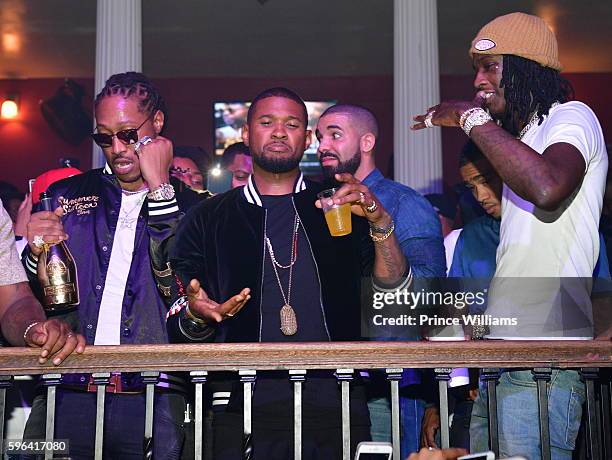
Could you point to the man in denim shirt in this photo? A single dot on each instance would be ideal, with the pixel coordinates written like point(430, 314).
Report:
point(347, 136)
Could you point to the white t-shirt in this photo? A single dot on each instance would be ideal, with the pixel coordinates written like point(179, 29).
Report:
point(108, 331)
point(545, 260)
point(450, 241)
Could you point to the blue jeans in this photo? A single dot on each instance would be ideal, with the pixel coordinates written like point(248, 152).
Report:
point(411, 415)
point(517, 409)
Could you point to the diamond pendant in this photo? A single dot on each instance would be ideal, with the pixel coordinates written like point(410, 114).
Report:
point(288, 320)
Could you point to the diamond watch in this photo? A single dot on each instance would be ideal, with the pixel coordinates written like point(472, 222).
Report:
point(161, 193)
point(474, 117)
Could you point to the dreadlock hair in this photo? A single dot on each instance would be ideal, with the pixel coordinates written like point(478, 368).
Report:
point(530, 88)
point(133, 84)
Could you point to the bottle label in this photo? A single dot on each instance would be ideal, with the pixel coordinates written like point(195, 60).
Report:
point(61, 290)
point(56, 267)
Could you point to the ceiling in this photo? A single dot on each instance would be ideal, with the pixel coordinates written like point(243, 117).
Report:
point(199, 38)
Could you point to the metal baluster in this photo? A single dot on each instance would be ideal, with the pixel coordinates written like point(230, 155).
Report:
point(542, 377)
point(589, 375)
point(394, 376)
point(345, 376)
point(101, 380)
point(606, 412)
point(247, 377)
point(491, 376)
point(297, 376)
point(150, 379)
point(50, 381)
point(443, 377)
point(199, 379)
point(5, 382)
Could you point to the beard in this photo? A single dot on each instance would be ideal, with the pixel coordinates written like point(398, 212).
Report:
point(275, 164)
point(349, 166)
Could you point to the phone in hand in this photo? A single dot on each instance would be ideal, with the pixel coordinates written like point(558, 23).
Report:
point(479, 456)
point(374, 451)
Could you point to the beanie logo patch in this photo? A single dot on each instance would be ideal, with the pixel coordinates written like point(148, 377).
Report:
point(484, 44)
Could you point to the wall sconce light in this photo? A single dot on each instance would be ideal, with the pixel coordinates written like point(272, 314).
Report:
point(10, 107)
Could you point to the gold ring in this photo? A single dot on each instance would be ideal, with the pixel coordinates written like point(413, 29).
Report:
point(230, 315)
point(372, 208)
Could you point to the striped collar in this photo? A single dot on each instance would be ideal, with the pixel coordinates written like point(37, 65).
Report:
point(253, 197)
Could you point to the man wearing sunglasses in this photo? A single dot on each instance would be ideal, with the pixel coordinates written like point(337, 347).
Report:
point(114, 220)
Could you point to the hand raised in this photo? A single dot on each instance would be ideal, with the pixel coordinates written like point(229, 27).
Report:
point(155, 159)
point(363, 202)
point(201, 306)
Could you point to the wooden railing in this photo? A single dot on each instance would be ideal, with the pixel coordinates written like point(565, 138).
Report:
point(344, 357)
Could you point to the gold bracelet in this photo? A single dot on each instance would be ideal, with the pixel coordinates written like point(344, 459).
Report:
point(387, 234)
point(190, 316)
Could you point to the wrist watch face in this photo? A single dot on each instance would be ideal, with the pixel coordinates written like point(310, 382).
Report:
point(163, 192)
point(167, 191)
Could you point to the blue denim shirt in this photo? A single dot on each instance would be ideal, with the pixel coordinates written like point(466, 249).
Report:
point(418, 231)
point(417, 227)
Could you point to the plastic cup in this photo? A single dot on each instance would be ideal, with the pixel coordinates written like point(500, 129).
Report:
point(338, 217)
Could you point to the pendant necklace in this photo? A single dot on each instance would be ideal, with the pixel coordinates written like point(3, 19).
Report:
point(288, 320)
point(126, 220)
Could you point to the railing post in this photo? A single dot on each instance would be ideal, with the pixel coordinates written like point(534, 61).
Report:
point(247, 377)
point(345, 376)
point(297, 376)
point(490, 377)
point(394, 376)
point(589, 375)
point(199, 379)
point(5, 382)
point(51, 381)
point(101, 380)
point(606, 411)
point(150, 379)
point(443, 377)
point(542, 377)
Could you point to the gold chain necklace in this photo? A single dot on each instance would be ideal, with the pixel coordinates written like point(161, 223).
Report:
point(288, 319)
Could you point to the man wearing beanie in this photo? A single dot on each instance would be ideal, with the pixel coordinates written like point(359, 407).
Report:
point(550, 153)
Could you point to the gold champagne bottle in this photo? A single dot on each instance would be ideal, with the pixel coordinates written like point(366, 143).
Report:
point(57, 271)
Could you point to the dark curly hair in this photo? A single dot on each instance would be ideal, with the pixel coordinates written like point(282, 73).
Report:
point(134, 84)
point(530, 88)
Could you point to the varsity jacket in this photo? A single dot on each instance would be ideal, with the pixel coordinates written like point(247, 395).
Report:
point(220, 242)
point(91, 203)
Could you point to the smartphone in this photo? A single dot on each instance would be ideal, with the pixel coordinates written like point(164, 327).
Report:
point(374, 451)
point(479, 456)
point(31, 184)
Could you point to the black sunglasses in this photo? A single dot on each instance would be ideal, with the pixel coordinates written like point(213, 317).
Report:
point(127, 136)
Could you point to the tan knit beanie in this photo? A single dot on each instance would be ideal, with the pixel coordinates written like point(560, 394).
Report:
point(519, 34)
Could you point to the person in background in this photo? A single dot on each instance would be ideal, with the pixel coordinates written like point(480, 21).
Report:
point(348, 136)
point(237, 160)
point(185, 167)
